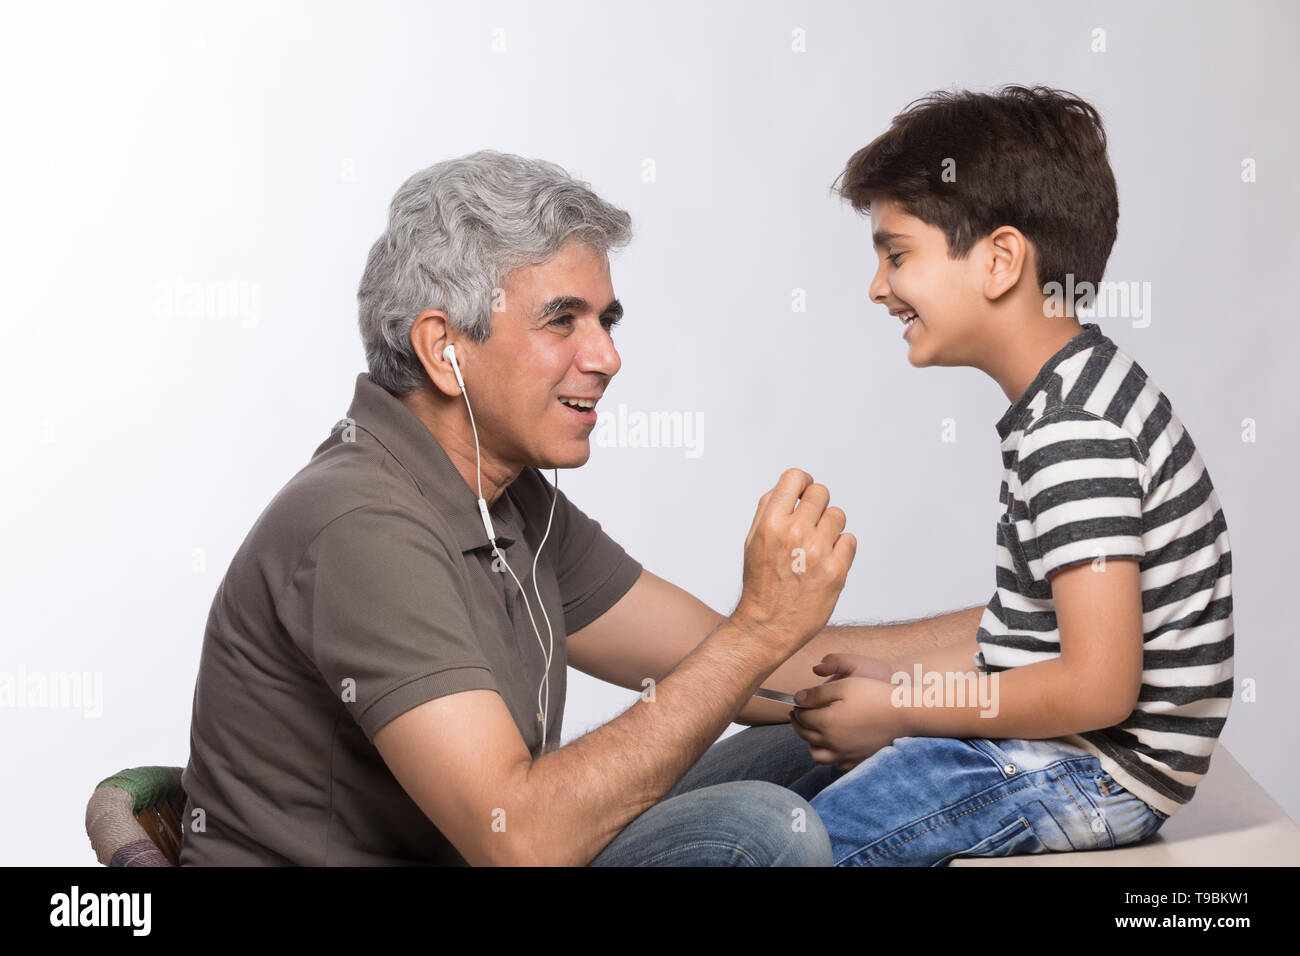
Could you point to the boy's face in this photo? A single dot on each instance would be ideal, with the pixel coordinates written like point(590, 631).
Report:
point(916, 275)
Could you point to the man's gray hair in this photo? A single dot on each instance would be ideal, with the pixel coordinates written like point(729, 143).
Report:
point(455, 231)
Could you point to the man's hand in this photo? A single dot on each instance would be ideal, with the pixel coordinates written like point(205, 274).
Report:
point(797, 556)
point(846, 720)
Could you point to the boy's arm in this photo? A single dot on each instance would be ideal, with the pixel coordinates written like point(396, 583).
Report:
point(1083, 480)
point(1093, 684)
point(897, 644)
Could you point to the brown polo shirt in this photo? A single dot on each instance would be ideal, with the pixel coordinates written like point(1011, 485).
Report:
point(364, 589)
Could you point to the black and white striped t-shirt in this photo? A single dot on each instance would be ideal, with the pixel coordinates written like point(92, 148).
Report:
point(1096, 464)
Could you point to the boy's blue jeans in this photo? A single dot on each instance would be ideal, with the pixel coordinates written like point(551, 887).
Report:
point(924, 800)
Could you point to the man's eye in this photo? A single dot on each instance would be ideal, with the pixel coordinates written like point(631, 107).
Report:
point(608, 321)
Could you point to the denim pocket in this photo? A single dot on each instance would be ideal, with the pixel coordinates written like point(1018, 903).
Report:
point(1014, 839)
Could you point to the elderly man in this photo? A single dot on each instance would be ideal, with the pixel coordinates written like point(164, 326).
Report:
point(383, 672)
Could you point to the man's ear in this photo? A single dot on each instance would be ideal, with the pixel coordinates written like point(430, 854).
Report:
point(430, 335)
point(1009, 256)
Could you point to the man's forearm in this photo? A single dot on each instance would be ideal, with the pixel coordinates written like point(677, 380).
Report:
point(582, 795)
point(957, 658)
point(904, 642)
point(900, 644)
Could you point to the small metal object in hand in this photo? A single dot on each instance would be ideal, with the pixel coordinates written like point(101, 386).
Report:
point(776, 695)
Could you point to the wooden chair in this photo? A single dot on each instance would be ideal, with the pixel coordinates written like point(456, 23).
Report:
point(134, 817)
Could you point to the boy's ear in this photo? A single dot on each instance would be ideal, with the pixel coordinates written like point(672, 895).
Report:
point(1010, 256)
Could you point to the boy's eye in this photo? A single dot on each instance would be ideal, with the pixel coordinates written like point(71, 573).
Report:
point(893, 257)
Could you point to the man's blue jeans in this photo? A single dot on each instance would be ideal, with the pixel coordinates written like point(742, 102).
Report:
point(924, 800)
point(731, 809)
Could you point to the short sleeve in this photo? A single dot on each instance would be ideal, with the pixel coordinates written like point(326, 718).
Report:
point(1082, 480)
point(591, 568)
point(375, 604)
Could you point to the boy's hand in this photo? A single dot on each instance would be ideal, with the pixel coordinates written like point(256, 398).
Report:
point(838, 666)
point(845, 721)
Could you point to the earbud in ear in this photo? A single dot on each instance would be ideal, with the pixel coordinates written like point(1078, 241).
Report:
point(449, 353)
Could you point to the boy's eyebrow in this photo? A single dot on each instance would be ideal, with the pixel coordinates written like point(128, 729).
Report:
point(573, 303)
point(884, 238)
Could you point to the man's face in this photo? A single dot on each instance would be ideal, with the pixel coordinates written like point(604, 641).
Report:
point(551, 341)
point(916, 275)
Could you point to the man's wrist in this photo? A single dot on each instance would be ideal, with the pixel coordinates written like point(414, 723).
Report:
point(743, 621)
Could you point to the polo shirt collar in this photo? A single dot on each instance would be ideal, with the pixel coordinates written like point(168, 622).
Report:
point(402, 434)
point(1090, 335)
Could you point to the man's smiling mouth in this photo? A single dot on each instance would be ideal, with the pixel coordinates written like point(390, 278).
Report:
point(583, 408)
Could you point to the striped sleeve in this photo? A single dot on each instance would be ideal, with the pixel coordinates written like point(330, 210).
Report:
point(1082, 480)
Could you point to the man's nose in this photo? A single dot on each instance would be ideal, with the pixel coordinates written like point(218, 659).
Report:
point(596, 352)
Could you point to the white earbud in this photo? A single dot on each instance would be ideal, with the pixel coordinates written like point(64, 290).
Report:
point(449, 353)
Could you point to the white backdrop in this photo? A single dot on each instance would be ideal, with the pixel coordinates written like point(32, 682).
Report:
point(189, 192)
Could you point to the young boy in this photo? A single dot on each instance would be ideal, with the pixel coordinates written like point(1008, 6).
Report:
point(1083, 712)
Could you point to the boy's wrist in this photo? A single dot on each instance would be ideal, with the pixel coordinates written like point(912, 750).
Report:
point(904, 726)
point(945, 699)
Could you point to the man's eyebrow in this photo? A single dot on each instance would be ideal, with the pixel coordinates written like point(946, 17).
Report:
point(573, 303)
point(884, 238)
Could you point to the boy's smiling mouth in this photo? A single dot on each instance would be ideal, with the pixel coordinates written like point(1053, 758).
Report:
point(907, 316)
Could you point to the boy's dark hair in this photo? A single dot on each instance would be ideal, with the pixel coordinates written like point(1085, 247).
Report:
point(1029, 157)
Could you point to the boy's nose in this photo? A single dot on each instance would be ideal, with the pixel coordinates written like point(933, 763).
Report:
point(879, 290)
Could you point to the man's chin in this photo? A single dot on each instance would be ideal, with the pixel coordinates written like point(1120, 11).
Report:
point(574, 457)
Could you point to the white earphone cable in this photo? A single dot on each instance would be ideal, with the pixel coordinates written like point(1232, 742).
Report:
point(548, 650)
